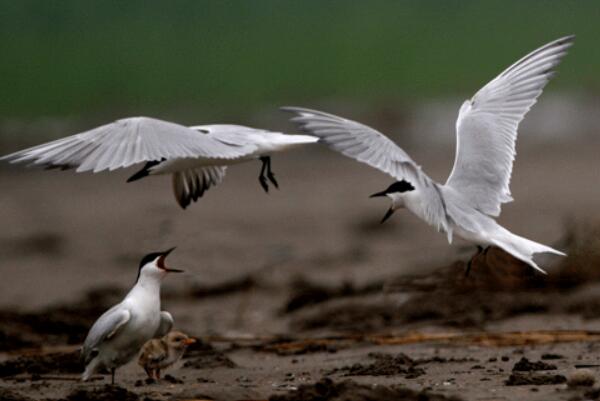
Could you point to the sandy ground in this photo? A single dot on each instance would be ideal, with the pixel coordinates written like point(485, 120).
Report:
point(303, 286)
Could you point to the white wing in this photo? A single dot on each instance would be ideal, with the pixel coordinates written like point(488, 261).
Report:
point(104, 329)
point(369, 146)
point(486, 129)
point(126, 142)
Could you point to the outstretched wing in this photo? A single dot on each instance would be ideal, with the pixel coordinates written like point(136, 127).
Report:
point(126, 142)
point(369, 146)
point(189, 185)
point(104, 329)
point(486, 129)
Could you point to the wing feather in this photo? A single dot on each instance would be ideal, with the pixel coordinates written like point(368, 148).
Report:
point(126, 142)
point(106, 327)
point(486, 128)
point(371, 147)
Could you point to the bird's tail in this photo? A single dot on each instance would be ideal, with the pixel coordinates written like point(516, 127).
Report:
point(524, 249)
point(90, 369)
point(301, 139)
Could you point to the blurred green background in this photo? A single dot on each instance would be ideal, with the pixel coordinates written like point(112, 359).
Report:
point(220, 59)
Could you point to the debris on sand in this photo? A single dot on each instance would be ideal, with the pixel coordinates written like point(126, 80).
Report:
point(106, 392)
point(202, 355)
point(548, 357)
point(536, 379)
point(10, 395)
point(384, 365)
point(42, 364)
point(327, 390)
point(581, 378)
point(525, 365)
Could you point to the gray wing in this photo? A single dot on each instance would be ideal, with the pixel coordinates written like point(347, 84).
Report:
point(190, 185)
point(166, 324)
point(124, 143)
point(486, 128)
point(369, 146)
point(104, 329)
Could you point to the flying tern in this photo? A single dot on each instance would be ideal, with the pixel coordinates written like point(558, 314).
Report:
point(119, 334)
point(160, 353)
point(486, 132)
point(197, 156)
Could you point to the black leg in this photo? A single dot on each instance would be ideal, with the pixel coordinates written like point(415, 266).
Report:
point(468, 267)
point(261, 178)
point(470, 262)
point(112, 376)
point(270, 174)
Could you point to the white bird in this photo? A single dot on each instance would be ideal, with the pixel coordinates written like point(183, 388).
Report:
point(197, 157)
point(160, 353)
point(486, 131)
point(119, 334)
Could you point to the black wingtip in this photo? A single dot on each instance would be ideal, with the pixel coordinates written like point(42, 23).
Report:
point(139, 175)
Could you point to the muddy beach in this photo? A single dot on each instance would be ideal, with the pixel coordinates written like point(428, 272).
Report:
point(300, 294)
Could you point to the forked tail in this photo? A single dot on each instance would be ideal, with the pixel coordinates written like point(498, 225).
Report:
point(524, 249)
point(90, 369)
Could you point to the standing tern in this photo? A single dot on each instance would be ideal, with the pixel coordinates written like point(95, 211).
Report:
point(160, 353)
point(486, 132)
point(197, 156)
point(119, 334)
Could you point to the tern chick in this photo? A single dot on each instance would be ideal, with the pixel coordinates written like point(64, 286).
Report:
point(119, 334)
point(486, 132)
point(196, 157)
point(160, 353)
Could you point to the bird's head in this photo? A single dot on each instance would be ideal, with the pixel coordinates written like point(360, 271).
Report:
point(396, 192)
point(153, 265)
point(178, 340)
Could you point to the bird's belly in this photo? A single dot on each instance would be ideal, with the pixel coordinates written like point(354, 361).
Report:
point(469, 236)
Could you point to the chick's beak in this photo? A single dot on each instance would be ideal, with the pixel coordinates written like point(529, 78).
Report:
point(189, 341)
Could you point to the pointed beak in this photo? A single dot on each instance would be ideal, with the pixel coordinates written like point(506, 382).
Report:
point(387, 215)
point(161, 262)
point(382, 193)
point(189, 341)
point(168, 251)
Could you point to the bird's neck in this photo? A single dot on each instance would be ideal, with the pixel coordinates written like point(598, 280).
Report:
point(146, 290)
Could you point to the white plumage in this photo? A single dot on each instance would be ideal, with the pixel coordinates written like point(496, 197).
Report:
point(119, 334)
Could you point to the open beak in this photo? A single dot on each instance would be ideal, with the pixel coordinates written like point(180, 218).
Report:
point(161, 262)
point(387, 215)
point(382, 193)
point(189, 341)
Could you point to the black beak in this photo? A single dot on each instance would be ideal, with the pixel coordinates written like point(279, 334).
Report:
point(168, 251)
point(387, 215)
point(382, 193)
